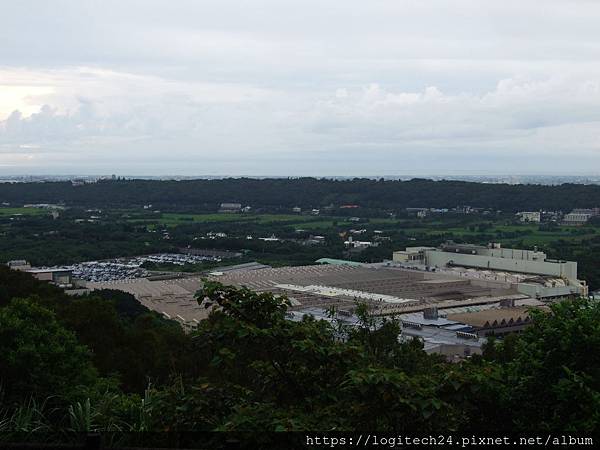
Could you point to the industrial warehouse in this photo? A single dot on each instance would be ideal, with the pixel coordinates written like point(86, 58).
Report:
point(528, 271)
point(450, 297)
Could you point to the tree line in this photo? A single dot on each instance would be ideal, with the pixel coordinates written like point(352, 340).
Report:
point(206, 195)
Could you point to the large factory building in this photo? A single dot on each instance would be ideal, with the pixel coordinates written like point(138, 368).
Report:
point(530, 271)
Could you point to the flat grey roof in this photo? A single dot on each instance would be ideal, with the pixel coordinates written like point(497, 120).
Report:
point(40, 270)
point(440, 336)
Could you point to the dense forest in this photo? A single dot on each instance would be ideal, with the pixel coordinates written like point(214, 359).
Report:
point(306, 192)
point(104, 363)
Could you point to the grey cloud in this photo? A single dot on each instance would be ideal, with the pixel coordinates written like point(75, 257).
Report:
point(153, 85)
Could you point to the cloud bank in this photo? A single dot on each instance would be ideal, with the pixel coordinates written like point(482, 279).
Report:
point(305, 88)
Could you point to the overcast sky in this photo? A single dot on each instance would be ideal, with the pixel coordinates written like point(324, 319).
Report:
point(285, 87)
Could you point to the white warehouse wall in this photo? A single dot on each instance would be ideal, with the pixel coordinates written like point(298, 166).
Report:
point(567, 269)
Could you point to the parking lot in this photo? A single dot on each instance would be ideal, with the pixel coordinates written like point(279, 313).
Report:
point(130, 268)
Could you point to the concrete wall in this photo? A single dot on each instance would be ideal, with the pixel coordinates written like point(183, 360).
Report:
point(410, 254)
point(532, 290)
point(403, 256)
point(43, 276)
point(514, 253)
point(563, 269)
point(400, 256)
point(535, 290)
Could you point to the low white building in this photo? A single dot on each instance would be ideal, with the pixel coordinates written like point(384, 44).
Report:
point(351, 243)
point(230, 207)
point(576, 218)
point(530, 216)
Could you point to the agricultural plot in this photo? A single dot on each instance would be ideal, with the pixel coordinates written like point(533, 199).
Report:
point(174, 219)
point(7, 212)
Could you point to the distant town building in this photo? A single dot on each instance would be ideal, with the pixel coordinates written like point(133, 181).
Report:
point(19, 264)
point(551, 216)
point(361, 231)
point(381, 238)
point(314, 240)
point(359, 245)
point(466, 209)
point(230, 207)
point(217, 235)
point(591, 211)
point(580, 216)
point(271, 238)
point(530, 216)
point(574, 218)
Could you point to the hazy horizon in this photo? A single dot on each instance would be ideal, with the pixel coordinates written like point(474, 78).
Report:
point(593, 177)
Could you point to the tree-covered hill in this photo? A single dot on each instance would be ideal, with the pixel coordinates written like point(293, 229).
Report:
point(306, 192)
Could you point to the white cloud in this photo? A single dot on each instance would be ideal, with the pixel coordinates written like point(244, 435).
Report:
point(514, 105)
point(314, 87)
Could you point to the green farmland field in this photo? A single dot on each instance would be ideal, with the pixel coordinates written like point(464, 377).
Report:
point(6, 212)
